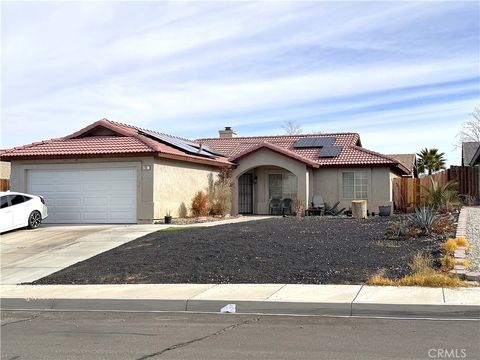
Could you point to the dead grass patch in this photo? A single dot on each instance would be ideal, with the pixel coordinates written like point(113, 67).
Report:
point(450, 246)
point(463, 262)
point(448, 262)
point(462, 242)
point(424, 275)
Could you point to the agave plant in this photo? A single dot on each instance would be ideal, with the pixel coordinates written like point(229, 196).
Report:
point(424, 218)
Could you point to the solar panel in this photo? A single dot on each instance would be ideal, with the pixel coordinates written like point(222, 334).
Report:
point(185, 145)
point(314, 142)
point(330, 151)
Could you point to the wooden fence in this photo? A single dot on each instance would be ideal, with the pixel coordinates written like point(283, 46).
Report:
point(4, 184)
point(409, 193)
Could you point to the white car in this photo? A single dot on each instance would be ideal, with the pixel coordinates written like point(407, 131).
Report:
point(19, 210)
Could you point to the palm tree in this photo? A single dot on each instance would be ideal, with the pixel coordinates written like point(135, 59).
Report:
point(430, 160)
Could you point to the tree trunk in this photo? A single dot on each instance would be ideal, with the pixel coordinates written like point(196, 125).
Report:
point(359, 209)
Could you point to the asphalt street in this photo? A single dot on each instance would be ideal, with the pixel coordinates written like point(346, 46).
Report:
point(115, 335)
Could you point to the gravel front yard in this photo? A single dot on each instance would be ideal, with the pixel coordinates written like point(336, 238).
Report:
point(311, 250)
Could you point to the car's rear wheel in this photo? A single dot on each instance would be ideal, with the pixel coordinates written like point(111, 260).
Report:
point(34, 220)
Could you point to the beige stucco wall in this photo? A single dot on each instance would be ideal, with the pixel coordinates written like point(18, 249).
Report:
point(176, 183)
point(328, 182)
point(145, 204)
point(262, 160)
point(4, 170)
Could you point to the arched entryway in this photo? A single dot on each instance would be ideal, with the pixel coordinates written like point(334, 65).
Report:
point(264, 175)
point(267, 190)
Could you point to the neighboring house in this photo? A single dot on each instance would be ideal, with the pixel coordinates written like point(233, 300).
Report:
point(113, 173)
point(409, 161)
point(470, 153)
point(335, 166)
point(110, 172)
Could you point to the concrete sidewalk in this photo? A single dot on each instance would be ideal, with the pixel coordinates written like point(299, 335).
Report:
point(344, 300)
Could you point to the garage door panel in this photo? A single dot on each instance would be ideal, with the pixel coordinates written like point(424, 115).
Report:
point(95, 201)
point(67, 217)
point(87, 195)
point(95, 216)
point(123, 202)
point(65, 202)
point(119, 216)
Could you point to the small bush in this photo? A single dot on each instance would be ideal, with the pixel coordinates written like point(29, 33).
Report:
point(380, 280)
point(220, 193)
point(200, 204)
point(441, 196)
point(450, 246)
point(448, 262)
point(463, 262)
point(299, 208)
point(421, 263)
point(462, 242)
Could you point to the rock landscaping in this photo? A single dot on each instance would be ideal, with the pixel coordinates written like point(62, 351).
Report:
point(310, 250)
point(468, 228)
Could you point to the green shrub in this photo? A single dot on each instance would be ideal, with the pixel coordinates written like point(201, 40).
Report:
point(441, 196)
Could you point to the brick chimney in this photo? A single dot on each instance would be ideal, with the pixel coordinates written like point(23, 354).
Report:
point(227, 133)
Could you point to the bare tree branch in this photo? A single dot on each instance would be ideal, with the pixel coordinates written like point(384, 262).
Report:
point(470, 129)
point(292, 128)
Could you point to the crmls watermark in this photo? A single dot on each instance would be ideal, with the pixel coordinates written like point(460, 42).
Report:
point(447, 354)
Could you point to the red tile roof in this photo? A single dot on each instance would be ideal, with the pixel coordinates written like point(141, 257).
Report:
point(275, 148)
point(124, 140)
point(352, 153)
point(88, 145)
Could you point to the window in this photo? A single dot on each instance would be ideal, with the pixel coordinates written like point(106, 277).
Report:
point(282, 186)
point(16, 199)
point(289, 190)
point(355, 185)
point(3, 202)
point(275, 186)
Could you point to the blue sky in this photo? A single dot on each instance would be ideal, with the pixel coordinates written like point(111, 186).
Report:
point(402, 74)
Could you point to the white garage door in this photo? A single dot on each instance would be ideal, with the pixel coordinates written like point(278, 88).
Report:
point(87, 196)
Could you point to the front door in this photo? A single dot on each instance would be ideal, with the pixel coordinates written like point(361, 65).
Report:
point(245, 194)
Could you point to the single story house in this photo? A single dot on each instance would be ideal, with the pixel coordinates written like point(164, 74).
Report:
point(110, 172)
point(335, 166)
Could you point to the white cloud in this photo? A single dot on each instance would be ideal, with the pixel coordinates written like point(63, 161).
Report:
point(166, 65)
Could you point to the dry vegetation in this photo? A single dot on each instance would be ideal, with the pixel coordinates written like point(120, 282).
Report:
point(423, 275)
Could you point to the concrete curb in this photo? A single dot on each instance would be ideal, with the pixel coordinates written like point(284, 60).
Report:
point(247, 307)
point(336, 300)
point(461, 230)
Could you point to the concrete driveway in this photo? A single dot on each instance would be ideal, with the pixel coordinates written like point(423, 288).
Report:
point(28, 255)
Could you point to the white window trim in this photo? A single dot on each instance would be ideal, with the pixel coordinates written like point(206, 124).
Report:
point(278, 172)
point(355, 185)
